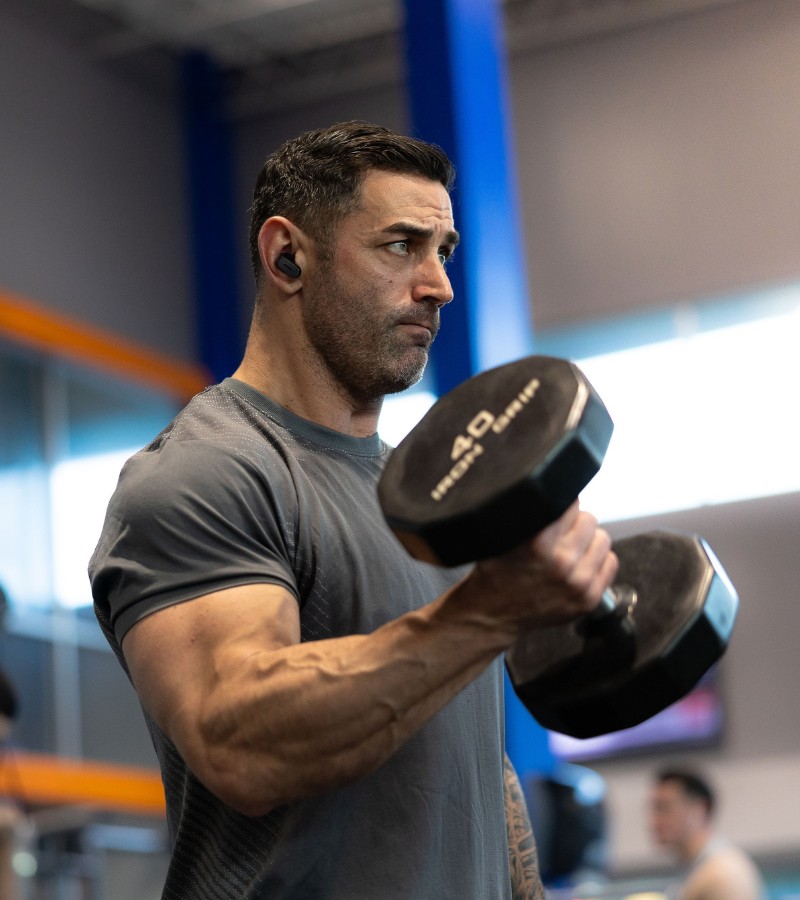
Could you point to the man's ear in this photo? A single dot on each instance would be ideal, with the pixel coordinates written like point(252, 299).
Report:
point(281, 247)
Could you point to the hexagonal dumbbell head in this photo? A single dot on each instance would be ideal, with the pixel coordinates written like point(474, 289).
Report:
point(495, 460)
point(682, 608)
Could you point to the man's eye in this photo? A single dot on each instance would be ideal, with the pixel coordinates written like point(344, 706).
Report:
point(445, 256)
point(399, 247)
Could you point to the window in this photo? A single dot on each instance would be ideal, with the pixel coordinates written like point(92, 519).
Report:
point(703, 401)
point(65, 433)
point(104, 421)
point(704, 404)
point(24, 506)
point(402, 412)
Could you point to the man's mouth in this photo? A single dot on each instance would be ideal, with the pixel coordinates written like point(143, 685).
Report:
point(421, 323)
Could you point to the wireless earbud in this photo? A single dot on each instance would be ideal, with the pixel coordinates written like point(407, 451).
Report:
point(288, 266)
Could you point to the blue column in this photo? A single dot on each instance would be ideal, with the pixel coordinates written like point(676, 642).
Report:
point(457, 80)
point(457, 84)
point(210, 187)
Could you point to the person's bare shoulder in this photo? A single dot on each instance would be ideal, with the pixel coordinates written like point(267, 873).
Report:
point(728, 875)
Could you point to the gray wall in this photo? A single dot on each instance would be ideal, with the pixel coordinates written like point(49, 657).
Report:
point(656, 165)
point(661, 163)
point(93, 220)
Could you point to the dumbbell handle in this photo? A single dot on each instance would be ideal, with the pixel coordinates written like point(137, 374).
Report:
point(617, 603)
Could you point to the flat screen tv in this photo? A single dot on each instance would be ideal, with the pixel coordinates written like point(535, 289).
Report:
point(696, 720)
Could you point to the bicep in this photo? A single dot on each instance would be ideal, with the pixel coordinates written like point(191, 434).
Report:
point(180, 656)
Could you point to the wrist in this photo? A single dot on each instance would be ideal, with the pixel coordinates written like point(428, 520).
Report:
point(468, 607)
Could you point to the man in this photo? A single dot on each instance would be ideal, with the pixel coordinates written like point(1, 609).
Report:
point(681, 814)
point(326, 710)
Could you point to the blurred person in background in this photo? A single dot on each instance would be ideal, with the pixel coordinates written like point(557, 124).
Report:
point(681, 812)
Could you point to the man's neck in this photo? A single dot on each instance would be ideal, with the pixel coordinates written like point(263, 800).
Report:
point(305, 388)
point(695, 845)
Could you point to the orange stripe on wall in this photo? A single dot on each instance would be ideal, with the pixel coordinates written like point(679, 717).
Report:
point(39, 779)
point(25, 322)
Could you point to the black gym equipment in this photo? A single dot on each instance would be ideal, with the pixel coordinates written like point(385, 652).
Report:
point(9, 703)
point(498, 459)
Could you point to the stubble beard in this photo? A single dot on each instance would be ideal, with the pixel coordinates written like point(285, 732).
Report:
point(364, 351)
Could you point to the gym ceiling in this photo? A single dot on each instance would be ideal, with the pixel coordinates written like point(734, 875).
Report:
point(280, 53)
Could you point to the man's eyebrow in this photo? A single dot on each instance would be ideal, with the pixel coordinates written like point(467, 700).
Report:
point(411, 229)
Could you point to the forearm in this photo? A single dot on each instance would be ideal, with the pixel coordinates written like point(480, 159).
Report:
point(287, 723)
point(526, 882)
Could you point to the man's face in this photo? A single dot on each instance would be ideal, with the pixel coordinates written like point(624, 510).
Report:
point(371, 306)
point(674, 815)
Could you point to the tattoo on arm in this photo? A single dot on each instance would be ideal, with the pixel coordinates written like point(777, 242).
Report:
point(526, 883)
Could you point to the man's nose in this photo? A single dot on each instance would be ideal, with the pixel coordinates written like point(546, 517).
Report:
point(432, 283)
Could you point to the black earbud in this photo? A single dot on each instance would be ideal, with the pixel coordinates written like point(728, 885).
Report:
point(288, 266)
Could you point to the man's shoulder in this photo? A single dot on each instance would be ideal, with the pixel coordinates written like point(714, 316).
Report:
point(727, 874)
point(219, 415)
point(212, 453)
point(216, 424)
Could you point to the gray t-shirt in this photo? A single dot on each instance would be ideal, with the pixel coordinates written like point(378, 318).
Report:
point(235, 491)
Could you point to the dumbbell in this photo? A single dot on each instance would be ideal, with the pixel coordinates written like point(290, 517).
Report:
point(495, 461)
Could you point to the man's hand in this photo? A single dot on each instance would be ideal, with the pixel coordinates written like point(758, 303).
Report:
point(557, 576)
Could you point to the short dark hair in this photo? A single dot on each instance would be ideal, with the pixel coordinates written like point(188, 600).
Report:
point(693, 785)
point(315, 179)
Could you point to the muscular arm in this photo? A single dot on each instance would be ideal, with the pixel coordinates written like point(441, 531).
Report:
point(526, 882)
point(262, 719)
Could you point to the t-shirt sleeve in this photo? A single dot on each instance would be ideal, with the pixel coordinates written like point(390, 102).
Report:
point(187, 520)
